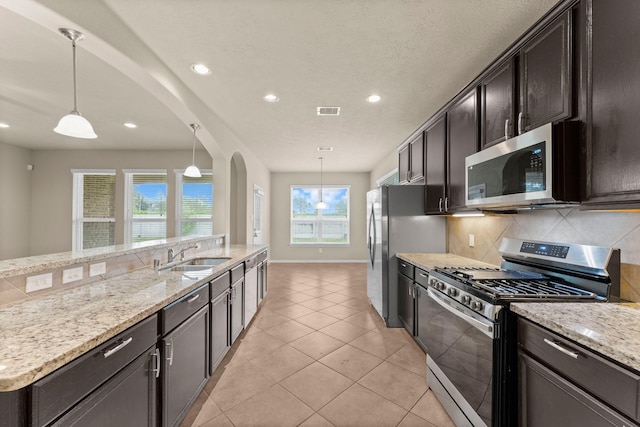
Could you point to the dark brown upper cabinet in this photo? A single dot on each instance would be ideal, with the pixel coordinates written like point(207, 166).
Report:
point(411, 161)
point(449, 140)
point(612, 149)
point(545, 75)
point(497, 94)
point(532, 87)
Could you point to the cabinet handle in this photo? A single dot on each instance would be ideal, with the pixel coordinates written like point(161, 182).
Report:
point(423, 275)
point(446, 204)
point(520, 116)
point(156, 356)
point(440, 205)
point(403, 265)
point(117, 348)
point(561, 349)
point(506, 129)
point(193, 298)
point(170, 358)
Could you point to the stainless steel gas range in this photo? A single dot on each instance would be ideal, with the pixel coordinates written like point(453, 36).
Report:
point(471, 349)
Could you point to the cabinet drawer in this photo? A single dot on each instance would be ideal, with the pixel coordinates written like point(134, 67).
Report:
point(421, 277)
point(405, 268)
point(219, 285)
point(604, 379)
point(180, 310)
point(237, 273)
point(57, 392)
point(262, 256)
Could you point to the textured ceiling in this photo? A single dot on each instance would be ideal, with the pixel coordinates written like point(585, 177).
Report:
point(134, 66)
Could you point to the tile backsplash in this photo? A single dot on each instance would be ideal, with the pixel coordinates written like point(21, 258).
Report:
point(611, 229)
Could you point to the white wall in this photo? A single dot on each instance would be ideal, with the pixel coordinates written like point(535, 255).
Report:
point(15, 201)
point(386, 165)
point(280, 250)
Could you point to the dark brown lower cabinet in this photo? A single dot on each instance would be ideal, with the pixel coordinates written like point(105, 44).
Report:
point(406, 302)
point(13, 407)
point(237, 309)
point(422, 316)
point(220, 342)
point(185, 368)
point(561, 383)
point(128, 399)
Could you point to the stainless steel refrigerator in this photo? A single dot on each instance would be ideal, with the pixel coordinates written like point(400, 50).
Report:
point(396, 223)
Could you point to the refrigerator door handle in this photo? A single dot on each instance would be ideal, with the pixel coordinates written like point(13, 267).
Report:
point(372, 242)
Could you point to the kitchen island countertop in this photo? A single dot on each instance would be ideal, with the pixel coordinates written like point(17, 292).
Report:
point(42, 334)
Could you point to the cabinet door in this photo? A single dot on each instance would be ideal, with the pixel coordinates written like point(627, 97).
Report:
point(547, 399)
point(497, 102)
point(128, 399)
point(220, 342)
point(462, 141)
point(613, 175)
point(546, 75)
point(403, 165)
point(405, 302)
point(237, 309)
point(416, 171)
point(435, 170)
point(186, 366)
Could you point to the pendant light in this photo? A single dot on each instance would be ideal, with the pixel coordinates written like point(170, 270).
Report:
point(193, 171)
point(321, 205)
point(73, 124)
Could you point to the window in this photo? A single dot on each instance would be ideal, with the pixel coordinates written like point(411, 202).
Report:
point(194, 204)
point(313, 226)
point(258, 201)
point(94, 200)
point(145, 205)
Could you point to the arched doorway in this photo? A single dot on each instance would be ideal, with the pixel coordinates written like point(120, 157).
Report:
point(238, 200)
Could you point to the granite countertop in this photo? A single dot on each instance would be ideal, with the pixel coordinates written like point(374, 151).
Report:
point(40, 335)
point(429, 261)
point(611, 329)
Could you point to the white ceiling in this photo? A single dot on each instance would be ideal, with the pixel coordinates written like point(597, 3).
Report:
point(135, 66)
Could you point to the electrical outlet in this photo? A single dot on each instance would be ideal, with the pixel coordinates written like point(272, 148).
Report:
point(41, 281)
point(97, 269)
point(71, 275)
point(472, 240)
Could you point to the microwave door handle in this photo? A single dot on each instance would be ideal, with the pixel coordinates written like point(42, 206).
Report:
point(486, 329)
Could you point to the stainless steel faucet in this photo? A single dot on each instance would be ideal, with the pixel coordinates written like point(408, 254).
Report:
point(171, 256)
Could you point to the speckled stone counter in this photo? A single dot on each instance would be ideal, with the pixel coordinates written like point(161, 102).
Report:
point(42, 334)
point(428, 261)
point(611, 329)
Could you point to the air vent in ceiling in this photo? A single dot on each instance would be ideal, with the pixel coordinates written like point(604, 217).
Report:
point(328, 111)
point(324, 148)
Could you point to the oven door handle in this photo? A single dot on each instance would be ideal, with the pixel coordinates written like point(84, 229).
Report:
point(486, 328)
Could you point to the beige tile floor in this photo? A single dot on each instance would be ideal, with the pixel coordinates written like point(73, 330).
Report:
point(317, 354)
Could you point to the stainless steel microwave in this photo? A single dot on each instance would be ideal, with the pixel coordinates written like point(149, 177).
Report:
point(534, 169)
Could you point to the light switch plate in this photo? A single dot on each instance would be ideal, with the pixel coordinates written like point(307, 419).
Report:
point(472, 240)
point(97, 269)
point(71, 275)
point(41, 281)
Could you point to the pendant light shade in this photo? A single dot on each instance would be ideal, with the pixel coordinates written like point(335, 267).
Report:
point(321, 205)
point(193, 171)
point(73, 124)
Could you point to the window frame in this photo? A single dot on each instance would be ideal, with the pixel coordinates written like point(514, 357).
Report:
point(319, 214)
point(128, 202)
point(178, 202)
point(77, 211)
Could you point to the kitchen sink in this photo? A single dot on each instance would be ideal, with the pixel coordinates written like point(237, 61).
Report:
point(197, 264)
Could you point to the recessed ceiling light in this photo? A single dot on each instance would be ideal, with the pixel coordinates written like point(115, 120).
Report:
point(374, 98)
point(325, 148)
point(201, 69)
point(271, 98)
point(4, 125)
point(130, 125)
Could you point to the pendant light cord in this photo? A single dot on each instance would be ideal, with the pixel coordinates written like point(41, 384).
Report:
point(75, 96)
point(193, 154)
point(321, 158)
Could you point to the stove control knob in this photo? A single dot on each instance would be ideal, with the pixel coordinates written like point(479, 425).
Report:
point(466, 299)
point(432, 282)
point(452, 292)
point(477, 305)
point(441, 286)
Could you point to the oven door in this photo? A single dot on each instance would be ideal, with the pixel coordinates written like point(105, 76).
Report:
point(460, 359)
